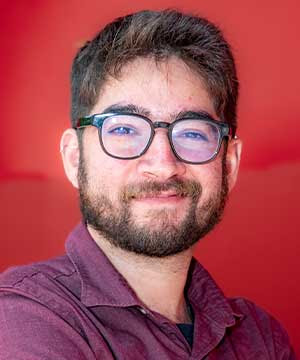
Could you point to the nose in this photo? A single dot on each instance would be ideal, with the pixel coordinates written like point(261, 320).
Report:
point(159, 162)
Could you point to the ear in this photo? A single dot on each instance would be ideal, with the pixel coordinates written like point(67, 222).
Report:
point(69, 149)
point(233, 157)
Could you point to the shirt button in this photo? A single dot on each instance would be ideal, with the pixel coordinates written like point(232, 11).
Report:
point(143, 311)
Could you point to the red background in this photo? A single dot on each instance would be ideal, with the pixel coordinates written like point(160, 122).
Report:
point(254, 252)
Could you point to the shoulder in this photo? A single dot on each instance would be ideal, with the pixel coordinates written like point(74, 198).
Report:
point(53, 268)
point(261, 326)
point(250, 310)
point(36, 309)
point(51, 287)
point(29, 279)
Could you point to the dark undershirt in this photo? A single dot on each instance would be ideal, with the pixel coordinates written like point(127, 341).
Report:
point(187, 331)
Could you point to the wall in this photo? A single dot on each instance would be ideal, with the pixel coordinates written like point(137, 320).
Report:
point(255, 251)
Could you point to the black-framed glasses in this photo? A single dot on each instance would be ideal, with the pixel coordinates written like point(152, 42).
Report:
point(122, 135)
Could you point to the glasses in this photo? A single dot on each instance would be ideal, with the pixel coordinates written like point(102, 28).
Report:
point(194, 140)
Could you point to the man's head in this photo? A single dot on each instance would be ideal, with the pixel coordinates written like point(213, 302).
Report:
point(163, 66)
point(158, 35)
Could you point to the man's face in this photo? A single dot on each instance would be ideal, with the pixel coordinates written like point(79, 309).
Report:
point(154, 205)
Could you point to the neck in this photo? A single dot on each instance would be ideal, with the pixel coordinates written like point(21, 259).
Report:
point(158, 282)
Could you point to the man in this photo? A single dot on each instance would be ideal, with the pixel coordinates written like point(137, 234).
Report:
point(153, 152)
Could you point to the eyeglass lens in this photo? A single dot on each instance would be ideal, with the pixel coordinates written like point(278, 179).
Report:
point(128, 136)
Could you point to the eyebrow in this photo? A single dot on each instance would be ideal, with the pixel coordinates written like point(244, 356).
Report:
point(136, 109)
point(128, 108)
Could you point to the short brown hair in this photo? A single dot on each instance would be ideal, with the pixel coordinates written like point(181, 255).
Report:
point(158, 34)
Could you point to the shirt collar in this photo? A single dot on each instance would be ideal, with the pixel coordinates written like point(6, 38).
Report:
point(102, 284)
point(207, 298)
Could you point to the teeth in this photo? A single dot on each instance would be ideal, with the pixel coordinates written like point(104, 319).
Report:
point(159, 195)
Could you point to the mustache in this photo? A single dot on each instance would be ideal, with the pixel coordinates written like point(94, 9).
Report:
point(184, 188)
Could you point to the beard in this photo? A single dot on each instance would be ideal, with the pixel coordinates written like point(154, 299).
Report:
point(160, 234)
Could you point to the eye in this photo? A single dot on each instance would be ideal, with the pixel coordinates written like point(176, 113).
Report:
point(193, 135)
point(122, 130)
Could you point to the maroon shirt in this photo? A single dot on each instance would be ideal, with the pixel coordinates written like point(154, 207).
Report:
point(79, 307)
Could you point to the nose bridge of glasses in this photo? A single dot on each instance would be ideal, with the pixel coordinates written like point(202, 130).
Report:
point(162, 137)
point(161, 124)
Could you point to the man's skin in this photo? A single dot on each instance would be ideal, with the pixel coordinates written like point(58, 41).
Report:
point(164, 89)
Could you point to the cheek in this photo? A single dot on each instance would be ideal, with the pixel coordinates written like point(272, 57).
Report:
point(106, 175)
point(210, 177)
point(103, 178)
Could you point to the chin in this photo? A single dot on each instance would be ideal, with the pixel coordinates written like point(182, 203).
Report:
point(158, 220)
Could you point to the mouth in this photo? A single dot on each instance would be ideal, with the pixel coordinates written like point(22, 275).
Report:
point(169, 192)
point(159, 197)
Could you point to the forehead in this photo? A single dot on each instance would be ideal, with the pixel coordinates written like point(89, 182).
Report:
point(163, 88)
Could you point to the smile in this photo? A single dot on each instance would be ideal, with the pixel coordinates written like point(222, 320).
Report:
point(160, 198)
